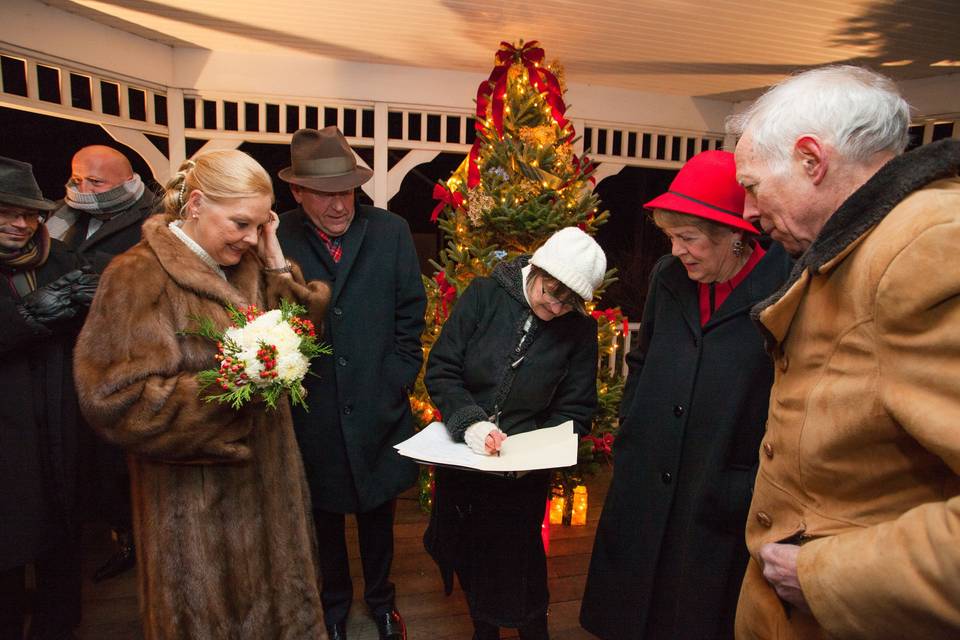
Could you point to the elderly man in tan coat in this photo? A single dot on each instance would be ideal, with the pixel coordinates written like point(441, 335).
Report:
point(854, 528)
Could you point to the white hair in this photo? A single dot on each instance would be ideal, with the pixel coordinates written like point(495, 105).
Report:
point(856, 110)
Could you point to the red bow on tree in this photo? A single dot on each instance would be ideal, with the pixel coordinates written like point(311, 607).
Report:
point(602, 445)
point(611, 316)
point(446, 197)
point(448, 292)
point(491, 93)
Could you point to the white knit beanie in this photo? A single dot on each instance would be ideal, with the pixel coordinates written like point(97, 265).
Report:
point(573, 258)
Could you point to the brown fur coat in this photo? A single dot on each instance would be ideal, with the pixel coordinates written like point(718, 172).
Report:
point(221, 510)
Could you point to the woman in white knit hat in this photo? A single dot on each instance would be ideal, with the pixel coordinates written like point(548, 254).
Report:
point(518, 353)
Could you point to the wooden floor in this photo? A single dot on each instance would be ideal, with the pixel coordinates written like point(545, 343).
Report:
point(110, 608)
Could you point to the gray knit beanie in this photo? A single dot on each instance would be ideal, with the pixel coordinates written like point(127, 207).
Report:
point(573, 258)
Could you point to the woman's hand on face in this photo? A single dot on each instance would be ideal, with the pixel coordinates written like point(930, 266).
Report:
point(268, 247)
point(494, 441)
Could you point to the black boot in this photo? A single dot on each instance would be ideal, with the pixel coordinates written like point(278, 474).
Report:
point(337, 631)
point(485, 631)
point(390, 626)
point(122, 561)
point(536, 630)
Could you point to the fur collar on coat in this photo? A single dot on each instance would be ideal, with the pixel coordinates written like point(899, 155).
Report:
point(190, 272)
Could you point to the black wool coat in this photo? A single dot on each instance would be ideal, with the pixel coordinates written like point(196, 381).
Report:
point(39, 424)
point(554, 382)
point(105, 476)
point(484, 527)
point(359, 404)
point(669, 554)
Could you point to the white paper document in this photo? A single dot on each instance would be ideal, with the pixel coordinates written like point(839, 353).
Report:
point(549, 448)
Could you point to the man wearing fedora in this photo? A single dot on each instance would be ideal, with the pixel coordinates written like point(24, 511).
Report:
point(359, 404)
point(43, 298)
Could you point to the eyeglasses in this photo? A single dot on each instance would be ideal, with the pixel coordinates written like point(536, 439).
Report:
point(552, 300)
point(29, 216)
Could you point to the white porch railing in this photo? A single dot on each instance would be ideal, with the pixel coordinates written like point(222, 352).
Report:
point(130, 108)
point(617, 361)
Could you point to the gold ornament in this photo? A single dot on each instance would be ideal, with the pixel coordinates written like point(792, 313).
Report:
point(478, 204)
point(543, 135)
point(557, 69)
point(529, 188)
point(564, 154)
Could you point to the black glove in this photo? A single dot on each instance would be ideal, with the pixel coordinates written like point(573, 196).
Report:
point(84, 288)
point(52, 302)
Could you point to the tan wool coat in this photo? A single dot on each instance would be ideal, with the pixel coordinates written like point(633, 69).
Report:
point(225, 547)
point(861, 457)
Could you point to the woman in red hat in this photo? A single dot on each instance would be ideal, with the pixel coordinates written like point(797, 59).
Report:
point(669, 553)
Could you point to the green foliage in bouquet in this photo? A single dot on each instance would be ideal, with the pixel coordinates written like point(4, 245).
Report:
point(261, 356)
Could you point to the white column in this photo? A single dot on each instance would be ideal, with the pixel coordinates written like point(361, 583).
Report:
point(176, 139)
point(380, 144)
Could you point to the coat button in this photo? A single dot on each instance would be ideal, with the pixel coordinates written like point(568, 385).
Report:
point(764, 518)
point(337, 311)
point(342, 361)
point(347, 410)
point(666, 478)
point(768, 449)
point(678, 411)
point(784, 363)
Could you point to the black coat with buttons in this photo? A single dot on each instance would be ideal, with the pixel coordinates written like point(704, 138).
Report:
point(669, 554)
point(358, 399)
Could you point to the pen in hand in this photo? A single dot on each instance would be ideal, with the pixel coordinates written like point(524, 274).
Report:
point(494, 442)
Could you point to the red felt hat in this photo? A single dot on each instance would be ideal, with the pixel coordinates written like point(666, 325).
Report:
point(707, 187)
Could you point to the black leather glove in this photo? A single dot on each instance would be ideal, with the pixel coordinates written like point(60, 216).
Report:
point(84, 288)
point(52, 302)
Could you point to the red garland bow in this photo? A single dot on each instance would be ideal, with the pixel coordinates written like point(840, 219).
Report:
point(446, 197)
point(473, 167)
point(611, 316)
point(491, 93)
point(448, 292)
point(494, 88)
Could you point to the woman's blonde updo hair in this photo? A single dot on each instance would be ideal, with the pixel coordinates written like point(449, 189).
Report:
point(219, 175)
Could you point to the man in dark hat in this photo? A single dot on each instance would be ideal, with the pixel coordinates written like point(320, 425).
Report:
point(43, 297)
point(359, 404)
point(105, 205)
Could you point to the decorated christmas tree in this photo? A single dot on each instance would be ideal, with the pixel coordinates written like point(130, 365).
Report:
point(520, 183)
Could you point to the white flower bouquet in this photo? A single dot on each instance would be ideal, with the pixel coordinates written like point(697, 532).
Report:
point(261, 356)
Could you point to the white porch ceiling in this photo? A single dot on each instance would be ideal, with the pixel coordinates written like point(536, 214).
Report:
point(726, 49)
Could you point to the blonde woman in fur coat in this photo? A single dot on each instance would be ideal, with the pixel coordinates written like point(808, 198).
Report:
point(220, 504)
